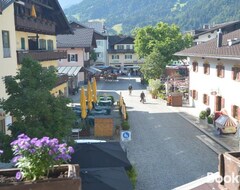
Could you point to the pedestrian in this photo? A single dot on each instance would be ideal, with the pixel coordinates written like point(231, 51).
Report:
point(130, 89)
point(129, 75)
point(142, 96)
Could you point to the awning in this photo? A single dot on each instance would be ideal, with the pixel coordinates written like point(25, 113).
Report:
point(92, 70)
point(70, 71)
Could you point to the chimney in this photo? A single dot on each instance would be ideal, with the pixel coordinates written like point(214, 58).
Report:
point(219, 38)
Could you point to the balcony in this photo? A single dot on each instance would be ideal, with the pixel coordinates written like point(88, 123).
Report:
point(41, 55)
point(121, 51)
point(35, 25)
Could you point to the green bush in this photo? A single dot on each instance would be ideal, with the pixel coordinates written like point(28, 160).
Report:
point(125, 125)
point(208, 112)
point(5, 141)
point(210, 119)
point(126, 115)
point(202, 115)
point(132, 174)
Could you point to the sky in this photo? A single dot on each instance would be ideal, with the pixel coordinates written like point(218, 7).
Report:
point(67, 3)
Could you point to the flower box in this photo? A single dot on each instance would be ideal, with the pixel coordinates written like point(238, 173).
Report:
point(61, 178)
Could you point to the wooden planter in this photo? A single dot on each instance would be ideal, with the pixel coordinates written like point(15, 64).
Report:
point(73, 181)
point(229, 165)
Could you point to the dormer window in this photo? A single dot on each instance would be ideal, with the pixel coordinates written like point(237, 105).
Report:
point(120, 46)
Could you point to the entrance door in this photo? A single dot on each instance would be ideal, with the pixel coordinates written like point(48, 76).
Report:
point(32, 44)
point(218, 103)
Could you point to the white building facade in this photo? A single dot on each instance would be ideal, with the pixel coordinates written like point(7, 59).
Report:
point(214, 80)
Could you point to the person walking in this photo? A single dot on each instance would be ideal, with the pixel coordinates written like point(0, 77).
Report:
point(130, 89)
point(142, 96)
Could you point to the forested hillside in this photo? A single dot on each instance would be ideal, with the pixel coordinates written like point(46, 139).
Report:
point(125, 15)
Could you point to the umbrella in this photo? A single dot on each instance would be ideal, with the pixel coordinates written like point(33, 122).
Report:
point(89, 97)
point(83, 103)
point(94, 85)
point(124, 112)
point(33, 12)
point(120, 100)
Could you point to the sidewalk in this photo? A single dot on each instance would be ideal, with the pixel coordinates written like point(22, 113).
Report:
point(230, 142)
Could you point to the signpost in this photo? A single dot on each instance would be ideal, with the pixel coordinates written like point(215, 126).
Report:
point(126, 136)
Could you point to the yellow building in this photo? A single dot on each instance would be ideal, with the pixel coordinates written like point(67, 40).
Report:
point(28, 28)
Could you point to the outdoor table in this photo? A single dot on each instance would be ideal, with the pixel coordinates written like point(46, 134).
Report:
point(105, 103)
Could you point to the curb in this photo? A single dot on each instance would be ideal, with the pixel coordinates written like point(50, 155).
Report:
point(224, 145)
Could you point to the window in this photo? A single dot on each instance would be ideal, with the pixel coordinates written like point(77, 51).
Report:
point(128, 46)
point(23, 43)
point(195, 66)
point(206, 68)
point(236, 73)
point(115, 56)
point(50, 45)
point(99, 55)
point(194, 94)
point(120, 46)
point(42, 44)
point(99, 43)
point(220, 71)
point(235, 111)
point(72, 57)
point(6, 44)
point(128, 56)
point(205, 99)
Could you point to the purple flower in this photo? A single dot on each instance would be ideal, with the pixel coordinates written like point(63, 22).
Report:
point(19, 176)
point(70, 150)
point(16, 158)
point(1, 152)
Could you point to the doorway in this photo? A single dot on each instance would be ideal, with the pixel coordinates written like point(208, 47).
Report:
point(218, 103)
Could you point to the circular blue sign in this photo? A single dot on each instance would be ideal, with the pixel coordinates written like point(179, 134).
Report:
point(126, 135)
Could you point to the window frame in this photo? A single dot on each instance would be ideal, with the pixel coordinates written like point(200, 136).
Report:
point(115, 57)
point(206, 99)
point(220, 71)
point(206, 68)
point(50, 46)
point(235, 111)
point(128, 56)
point(6, 44)
point(72, 57)
point(195, 66)
point(194, 94)
point(42, 44)
point(236, 73)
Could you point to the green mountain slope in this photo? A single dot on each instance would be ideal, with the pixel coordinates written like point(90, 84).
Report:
point(188, 14)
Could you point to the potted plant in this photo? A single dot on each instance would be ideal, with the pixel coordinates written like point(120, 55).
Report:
point(39, 166)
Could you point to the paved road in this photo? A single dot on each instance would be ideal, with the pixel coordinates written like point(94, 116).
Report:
point(165, 148)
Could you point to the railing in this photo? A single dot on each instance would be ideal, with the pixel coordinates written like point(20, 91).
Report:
point(40, 55)
point(36, 25)
point(120, 50)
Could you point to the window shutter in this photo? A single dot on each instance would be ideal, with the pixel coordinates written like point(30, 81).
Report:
point(233, 71)
point(222, 103)
point(238, 111)
point(68, 58)
point(208, 100)
point(196, 95)
point(223, 72)
point(76, 57)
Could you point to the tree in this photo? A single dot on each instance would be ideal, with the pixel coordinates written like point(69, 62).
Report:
point(36, 111)
point(152, 68)
point(93, 55)
point(162, 39)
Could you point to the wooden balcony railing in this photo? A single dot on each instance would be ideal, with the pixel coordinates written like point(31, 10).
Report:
point(35, 25)
point(41, 55)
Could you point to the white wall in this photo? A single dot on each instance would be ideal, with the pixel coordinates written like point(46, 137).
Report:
point(226, 87)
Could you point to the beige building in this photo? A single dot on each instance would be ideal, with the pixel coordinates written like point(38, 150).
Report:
point(28, 29)
point(8, 57)
point(121, 53)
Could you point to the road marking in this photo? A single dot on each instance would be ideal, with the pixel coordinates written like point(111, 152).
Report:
point(217, 148)
point(180, 152)
point(168, 138)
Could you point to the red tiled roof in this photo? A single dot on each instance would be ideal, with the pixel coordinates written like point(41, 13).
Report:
point(210, 49)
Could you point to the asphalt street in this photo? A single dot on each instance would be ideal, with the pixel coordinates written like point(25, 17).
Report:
point(165, 148)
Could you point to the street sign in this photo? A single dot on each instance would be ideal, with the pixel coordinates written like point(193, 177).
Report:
point(126, 135)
